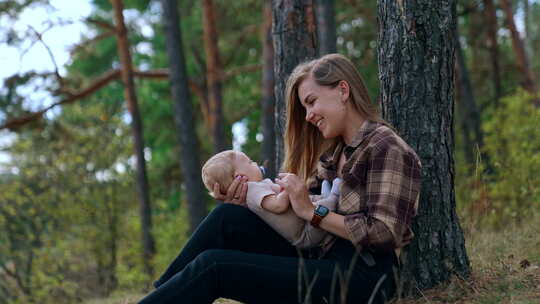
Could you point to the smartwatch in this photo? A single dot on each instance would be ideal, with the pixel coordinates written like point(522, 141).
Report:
point(318, 214)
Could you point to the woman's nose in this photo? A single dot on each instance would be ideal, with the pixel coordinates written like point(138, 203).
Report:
point(309, 115)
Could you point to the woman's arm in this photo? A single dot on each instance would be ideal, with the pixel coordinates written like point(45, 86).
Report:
point(303, 207)
point(391, 199)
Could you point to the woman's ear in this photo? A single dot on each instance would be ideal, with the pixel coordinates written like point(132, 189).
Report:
point(344, 90)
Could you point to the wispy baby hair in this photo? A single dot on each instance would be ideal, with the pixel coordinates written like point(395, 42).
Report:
point(219, 169)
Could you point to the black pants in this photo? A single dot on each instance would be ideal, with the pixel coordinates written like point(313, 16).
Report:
point(234, 254)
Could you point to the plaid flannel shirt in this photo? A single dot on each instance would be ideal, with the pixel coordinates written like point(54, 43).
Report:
point(380, 190)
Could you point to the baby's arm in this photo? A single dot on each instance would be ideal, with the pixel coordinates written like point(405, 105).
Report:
point(287, 224)
point(276, 203)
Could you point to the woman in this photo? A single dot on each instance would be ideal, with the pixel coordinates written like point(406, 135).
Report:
point(332, 131)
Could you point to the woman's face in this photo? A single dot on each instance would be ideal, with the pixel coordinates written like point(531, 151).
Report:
point(324, 107)
point(245, 166)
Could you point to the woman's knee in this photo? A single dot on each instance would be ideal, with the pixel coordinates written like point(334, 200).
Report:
point(225, 213)
point(210, 258)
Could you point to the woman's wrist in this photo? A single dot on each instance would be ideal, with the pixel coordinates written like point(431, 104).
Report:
point(307, 213)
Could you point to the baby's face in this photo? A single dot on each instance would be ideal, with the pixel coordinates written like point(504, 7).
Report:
point(245, 166)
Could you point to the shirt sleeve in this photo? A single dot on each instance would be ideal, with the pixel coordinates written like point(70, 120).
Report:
point(392, 188)
point(257, 191)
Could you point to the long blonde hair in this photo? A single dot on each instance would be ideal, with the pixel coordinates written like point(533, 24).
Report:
point(303, 142)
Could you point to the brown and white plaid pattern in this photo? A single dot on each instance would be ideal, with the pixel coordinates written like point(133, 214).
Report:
point(379, 195)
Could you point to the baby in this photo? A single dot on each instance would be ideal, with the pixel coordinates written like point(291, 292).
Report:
point(266, 199)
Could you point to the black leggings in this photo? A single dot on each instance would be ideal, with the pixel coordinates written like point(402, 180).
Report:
point(234, 254)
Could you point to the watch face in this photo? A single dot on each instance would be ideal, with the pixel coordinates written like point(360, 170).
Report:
point(321, 210)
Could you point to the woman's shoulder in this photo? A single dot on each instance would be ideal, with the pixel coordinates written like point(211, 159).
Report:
point(384, 138)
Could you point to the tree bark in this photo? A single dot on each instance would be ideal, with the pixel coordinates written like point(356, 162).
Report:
point(183, 114)
point(326, 26)
point(295, 41)
point(416, 72)
point(137, 129)
point(529, 83)
point(267, 102)
point(490, 16)
point(214, 73)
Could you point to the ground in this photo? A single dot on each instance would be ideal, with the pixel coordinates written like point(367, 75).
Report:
point(505, 269)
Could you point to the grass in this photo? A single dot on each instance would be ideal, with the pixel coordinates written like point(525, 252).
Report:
point(505, 269)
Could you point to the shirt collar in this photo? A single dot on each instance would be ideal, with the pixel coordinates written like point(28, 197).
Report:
point(365, 129)
point(329, 159)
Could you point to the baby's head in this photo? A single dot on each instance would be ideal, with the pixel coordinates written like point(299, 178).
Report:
point(223, 167)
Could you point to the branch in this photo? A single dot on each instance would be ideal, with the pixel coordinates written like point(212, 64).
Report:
point(102, 24)
point(40, 38)
point(92, 40)
point(242, 114)
point(242, 69)
point(110, 76)
point(23, 53)
point(244, 34)
point(95, 85)
point(157, 74)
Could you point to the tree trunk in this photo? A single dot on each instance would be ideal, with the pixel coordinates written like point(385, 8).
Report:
point(137, 129)
point(111, 281)
point(527, 23)
point(326, 26)
point(470, 115)
point(295, 41)
point(493, 46)
point(416, 72)
point(214, 73)
point(529, 83)
point(183, 115)
point(267, 117)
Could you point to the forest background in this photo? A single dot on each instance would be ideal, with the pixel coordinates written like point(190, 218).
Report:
point(70, 209)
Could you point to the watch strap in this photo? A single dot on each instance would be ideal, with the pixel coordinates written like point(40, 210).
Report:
point(316, 220)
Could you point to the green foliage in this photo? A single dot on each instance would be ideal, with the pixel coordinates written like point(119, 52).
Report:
point(68, 210)
point(61, 213)
point(512, 192)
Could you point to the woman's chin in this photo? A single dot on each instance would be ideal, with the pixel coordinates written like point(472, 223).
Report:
point(327, 135)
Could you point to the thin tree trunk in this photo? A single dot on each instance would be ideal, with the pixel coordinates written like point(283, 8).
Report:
point(295, 41)
point(416, 72)
point(110, 281)
point(490, 16)
point(183, 114)
point(529, 83)
point(214, 73)
point(326, 26)
point(137, 129)
point(267, 119)
point(470, 115)
point(527, 21)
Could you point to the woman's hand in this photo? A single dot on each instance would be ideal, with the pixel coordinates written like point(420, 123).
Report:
point(298, 194)
point(236, 193)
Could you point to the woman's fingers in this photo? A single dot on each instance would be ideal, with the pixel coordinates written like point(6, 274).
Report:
point(233, 188)
point(243, 194)
point(239, 187)
point(236, 193)
point(283, 175)
point(217, 192)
